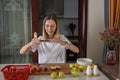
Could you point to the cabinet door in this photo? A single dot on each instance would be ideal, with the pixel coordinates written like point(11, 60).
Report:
point(71, 8)
point(51, 6)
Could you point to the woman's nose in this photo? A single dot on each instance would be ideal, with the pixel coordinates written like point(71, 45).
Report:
point(49, 28)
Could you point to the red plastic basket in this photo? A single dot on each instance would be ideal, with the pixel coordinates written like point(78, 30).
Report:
point(16, 72)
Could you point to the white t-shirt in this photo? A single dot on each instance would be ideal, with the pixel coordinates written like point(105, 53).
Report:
point(51, 52)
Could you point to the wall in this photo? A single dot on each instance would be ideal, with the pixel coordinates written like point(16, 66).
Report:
point(95, 25)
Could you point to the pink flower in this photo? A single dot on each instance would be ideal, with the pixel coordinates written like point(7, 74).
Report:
point(111, 37)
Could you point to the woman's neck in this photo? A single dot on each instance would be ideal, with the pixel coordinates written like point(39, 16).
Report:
point(50, 37)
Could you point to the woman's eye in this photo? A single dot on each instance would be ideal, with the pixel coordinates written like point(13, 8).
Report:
point(52, 26)
point(47, 26)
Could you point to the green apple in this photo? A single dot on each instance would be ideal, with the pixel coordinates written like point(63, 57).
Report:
point(74, 69)
point(53, 75)
point(71, 65)
point(81, 68)
point(61, 74)
point(74, 73)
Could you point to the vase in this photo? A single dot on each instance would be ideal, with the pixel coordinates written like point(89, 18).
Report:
point(110, 56)
point(72, 27)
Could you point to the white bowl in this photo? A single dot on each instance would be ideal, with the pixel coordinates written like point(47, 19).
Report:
point(84, 61)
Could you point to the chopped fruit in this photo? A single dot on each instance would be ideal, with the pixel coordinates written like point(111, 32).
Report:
point(58, 67)
point(35, 69)
point(45, 69)
point(38, 69)
point(55, 67)
point(52, 67)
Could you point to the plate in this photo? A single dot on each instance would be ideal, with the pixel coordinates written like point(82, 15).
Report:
point(84, 61)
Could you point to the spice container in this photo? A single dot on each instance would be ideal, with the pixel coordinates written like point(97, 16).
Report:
point(95, 70)
point(89, 71)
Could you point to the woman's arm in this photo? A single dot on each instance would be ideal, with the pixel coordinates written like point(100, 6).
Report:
point(70, 46)
point(27, 47)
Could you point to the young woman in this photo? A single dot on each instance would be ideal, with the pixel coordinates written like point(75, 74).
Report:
point(51, 45)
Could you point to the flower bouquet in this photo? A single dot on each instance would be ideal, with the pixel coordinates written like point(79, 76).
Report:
point(111, 38)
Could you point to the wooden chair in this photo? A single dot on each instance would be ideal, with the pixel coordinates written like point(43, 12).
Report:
point(35, 57)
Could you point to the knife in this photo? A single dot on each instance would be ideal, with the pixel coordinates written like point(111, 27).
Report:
point(45, 40)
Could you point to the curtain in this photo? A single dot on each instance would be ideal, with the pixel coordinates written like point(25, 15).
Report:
point(14, 30)
point(106, 26)
point(112, 15)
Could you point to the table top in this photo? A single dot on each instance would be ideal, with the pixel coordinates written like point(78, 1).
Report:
point(112, 71)
point(81, 76)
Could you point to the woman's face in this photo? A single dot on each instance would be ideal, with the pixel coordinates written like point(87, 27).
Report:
point(50, 27)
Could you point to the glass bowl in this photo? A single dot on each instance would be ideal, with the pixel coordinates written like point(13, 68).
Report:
point(84, 61)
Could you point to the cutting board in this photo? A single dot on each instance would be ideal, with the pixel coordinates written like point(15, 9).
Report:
point(64, 67)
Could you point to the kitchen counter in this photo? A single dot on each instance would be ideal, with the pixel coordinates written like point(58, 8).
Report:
point(81, 76)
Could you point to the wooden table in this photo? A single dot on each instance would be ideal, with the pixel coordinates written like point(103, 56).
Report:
point(81, 76)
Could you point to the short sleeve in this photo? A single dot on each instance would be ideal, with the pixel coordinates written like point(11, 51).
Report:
point(34, 48)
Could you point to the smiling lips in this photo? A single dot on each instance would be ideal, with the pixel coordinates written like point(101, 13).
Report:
point(50, 32)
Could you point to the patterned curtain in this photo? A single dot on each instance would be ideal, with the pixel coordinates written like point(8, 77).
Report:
point(14, 30)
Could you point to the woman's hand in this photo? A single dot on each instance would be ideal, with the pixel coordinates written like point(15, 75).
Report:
point(35, 41)
point(27, 47)
point(57, 40)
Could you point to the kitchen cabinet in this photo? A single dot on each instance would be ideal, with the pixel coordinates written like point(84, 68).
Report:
point(71, 56)
point(66, 8)
point(70, 8)
point(51, 6)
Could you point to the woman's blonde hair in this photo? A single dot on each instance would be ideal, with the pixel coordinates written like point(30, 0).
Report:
point(49, 17)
